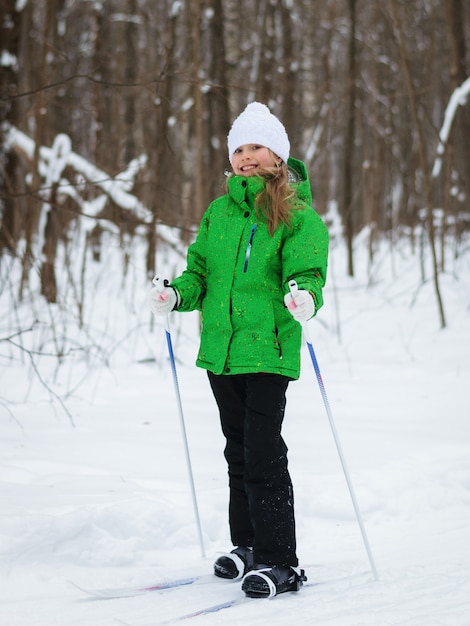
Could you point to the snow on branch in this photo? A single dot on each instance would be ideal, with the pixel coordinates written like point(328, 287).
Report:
point(458, 98)
point(54, 160)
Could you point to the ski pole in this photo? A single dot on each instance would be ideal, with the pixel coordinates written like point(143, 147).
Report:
point(161, 284)
point(293, 290)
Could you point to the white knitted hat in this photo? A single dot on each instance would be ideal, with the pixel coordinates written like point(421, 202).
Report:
point(256, 124)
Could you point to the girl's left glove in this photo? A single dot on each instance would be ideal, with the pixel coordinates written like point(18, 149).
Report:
point(163, 301)
point(301, 306)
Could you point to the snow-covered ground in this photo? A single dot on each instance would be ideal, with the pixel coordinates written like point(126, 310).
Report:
point(107, 503)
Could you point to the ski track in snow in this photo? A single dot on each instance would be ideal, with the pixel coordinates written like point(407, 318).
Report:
point(107, 504)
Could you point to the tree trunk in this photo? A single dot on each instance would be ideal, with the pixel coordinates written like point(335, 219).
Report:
point(34, 200)
point(422, 154)
point(218, 102)
point(195, 28)
point(9, 35)
point(457, 157)
point(348, 169)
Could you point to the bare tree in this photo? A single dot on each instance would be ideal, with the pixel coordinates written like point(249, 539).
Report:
point(457, 157)
point(218, 111)
point(350, 135)
point(9, 172)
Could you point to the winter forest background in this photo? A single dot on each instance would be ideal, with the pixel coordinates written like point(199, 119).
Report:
point(113, 138)
point(114, 117)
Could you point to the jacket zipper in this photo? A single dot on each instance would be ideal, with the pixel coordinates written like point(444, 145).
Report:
point(248, 248)
point(276, 332)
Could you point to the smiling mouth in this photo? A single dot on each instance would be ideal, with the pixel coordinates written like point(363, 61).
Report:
point(247, 168)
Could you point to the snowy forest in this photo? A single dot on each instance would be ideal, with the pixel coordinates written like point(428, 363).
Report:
point(115, 116)
point(114, 120)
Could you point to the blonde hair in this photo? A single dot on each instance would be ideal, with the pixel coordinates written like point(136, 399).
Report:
point(275, 202)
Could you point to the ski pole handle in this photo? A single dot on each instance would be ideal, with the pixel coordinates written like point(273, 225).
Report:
point(293, 288)
point(160, 283)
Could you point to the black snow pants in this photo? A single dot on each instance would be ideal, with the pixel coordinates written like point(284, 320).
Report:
point(261, 505)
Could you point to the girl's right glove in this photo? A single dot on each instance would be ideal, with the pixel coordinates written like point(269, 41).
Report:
point(163, 301)
point(301, 306)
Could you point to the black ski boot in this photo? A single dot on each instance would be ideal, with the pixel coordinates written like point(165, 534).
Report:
point(234, 565)
point(267, 581)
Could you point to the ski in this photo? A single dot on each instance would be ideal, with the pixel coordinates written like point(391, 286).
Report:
point(110, 593)
point(214, 608)
point(306, 587)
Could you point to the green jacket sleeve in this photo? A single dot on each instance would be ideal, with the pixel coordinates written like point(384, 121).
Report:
point(305, 254)
point(191, 285)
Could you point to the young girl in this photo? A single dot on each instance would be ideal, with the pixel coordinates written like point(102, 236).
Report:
point(252, 241)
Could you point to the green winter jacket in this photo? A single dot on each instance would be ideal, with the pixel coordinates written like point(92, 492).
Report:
point(237, 274)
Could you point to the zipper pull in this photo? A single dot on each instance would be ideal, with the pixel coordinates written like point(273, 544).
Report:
point(248, 248)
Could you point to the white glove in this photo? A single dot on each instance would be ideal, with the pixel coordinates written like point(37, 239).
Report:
point(301, 305)
point(162, 301)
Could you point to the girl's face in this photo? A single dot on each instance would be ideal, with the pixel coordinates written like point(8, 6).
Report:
point(249, 158)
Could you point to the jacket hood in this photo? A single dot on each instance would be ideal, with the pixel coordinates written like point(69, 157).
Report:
point(304, 191)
